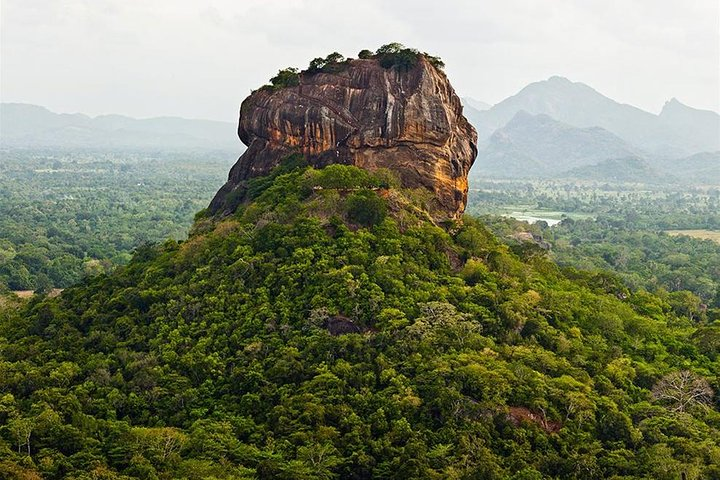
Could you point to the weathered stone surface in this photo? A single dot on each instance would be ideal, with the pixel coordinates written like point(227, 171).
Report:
point(409, 121)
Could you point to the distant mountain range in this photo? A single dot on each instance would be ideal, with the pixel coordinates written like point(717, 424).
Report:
point(539, 146)
point(550, 129)
point(699, 169)
point(698, 129)
point(624, 170)
point(678, 130)
point(25, 125)
point(554, 127)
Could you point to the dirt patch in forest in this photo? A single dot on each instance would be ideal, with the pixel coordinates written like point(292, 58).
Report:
point(29, 293)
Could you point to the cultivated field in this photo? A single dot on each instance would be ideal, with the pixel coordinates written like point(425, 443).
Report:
point(702, 234)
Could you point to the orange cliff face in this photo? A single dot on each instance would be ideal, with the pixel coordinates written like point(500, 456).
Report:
point(408, 121)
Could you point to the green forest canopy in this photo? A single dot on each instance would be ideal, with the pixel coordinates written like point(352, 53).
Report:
point(65, 215)
point(292, 340)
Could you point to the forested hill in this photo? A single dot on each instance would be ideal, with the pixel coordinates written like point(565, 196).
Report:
point(330, 329)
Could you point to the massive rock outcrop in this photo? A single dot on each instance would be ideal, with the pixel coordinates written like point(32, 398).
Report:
point(408, 120)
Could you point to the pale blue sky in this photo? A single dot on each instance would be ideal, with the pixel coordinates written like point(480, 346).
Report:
point(201, 58)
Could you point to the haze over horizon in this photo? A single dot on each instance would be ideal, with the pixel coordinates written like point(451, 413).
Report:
point(195, 60)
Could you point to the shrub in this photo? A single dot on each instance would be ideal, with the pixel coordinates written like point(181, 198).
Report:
point(387, 178)
point(344, 177)
point(390, 49)
point(256, 186)
point(389, 55)
point(397, 55)
point(333, 63)
point(288, 77)
point(366, 208)
point(434, 61)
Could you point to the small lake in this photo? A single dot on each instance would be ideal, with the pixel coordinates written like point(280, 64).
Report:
point(552, 218)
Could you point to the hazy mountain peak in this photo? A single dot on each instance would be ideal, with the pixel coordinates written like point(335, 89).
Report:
point(558, 80)
point(558, 83)
point(557, 97)
point(678, 131)
point(24, 106)
point(523, 119)
point(674, 105)
point(8, 109)
point(478, 105)
point(520, 116)
point(540, 146)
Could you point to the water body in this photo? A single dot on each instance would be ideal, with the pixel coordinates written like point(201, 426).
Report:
point(528, 217)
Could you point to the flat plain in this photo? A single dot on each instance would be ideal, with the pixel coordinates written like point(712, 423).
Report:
point(701, 234)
